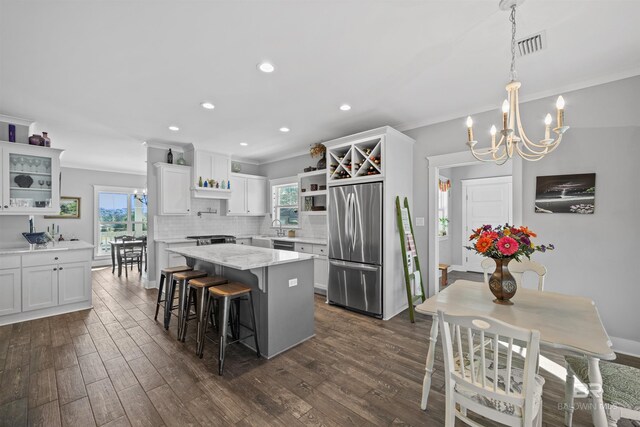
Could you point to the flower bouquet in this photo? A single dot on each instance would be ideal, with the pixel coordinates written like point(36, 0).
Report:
point(504, 243)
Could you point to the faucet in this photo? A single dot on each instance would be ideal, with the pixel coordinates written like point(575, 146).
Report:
point(279, 231)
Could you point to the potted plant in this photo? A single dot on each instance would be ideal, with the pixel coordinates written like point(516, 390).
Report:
point(443, 226)
point(317, 150)
point(504, 243)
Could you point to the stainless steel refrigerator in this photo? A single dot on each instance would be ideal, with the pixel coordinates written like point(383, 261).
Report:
point(355, 247)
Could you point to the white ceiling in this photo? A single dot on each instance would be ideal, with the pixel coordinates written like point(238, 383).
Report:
point(103, 76)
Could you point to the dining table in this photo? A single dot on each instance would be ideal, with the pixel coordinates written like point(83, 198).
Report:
point(116, 253)
point(568, 323)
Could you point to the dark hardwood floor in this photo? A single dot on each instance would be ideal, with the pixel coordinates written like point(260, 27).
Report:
point(114, 366)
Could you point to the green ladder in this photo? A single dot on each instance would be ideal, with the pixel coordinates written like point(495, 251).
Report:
point(409, 258)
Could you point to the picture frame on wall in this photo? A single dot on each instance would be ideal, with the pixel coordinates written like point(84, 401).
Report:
point(575, 193)
point(69, 208)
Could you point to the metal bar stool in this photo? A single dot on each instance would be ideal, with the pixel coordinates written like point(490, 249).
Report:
point(225, 294)
point(166, 275)
point(181, 281)
point(197, 291)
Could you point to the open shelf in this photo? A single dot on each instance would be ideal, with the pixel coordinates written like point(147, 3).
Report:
point(313, 193)
point(29, 189)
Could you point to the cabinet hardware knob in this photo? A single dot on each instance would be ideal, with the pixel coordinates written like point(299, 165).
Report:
point(60, 268)
point(6, 207)
point(56, 258)
point(55, 269)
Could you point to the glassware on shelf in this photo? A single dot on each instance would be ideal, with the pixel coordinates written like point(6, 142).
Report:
point(37, 163)
point(41, 182)
point(29, 162)
point(14, 162)
point(47, 164)
point(21, 162)
point(49, 183)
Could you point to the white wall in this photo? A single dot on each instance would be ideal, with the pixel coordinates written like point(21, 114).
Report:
point(75, 183)
point(594, 252)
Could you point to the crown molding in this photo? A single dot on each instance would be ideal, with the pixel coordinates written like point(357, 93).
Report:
point(102, 169)
point(16, 120)
point(584, 84)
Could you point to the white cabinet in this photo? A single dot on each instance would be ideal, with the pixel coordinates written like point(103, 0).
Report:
point(29, 179)
point(174, 197)
point(237, 204)
point(244, 241)
point(10, 293)
point(165, 259)
point(210, 166)
point(321, 272)
point(72, 280)
point(39, 287)
point(248, 195)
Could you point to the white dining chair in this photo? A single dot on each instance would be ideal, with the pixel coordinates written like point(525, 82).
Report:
point(517, 270)
point(484, 381)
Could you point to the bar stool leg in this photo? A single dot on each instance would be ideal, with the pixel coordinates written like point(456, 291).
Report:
point(224, 320)
point(182, 302)
point(191, 298)
point(203, 331)
point(201, 304)
point(168, 300)
point(159, 300)
point(254, 324)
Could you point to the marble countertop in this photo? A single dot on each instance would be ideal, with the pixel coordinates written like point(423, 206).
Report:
point(241, 257)
point(311, 240)
point(20, 249)
point(172, 240)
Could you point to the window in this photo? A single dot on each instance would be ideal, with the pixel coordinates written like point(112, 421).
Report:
point(285, 203)
point(444, 185)
point(119, 211)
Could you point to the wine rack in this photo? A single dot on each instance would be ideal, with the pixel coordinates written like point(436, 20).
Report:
point(357, 160)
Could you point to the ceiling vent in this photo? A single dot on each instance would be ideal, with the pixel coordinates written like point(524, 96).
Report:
point(532, 44)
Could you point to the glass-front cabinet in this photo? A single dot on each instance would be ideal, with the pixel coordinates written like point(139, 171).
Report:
point(30, 179)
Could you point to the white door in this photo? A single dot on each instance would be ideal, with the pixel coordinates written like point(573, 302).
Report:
point(256, 196)
point(10, 291)
point(175, 185)
point(237, 204)
point(72, 282)
point(39, 287)
point(484, 201)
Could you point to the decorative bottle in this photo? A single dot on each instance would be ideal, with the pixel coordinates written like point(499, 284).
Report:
point(200, 182)
point(47, 140)
point(170, 157)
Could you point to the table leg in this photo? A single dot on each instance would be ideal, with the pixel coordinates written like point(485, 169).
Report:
point(595, 390)
point(433, 341)
point(113, 259)
point(119, 256)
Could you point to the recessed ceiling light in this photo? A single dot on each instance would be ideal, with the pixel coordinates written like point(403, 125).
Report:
point(284, 129)
point(174, 128)
point(266, 67)
point(244, 144)
point(208, 106)
point(345, 107)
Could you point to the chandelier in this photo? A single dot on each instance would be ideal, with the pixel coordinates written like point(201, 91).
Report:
point(512, 137)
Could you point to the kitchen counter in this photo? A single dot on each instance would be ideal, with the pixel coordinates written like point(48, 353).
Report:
point(240, 257)
point(172, 240)
point(52, 246)
point(310, 240)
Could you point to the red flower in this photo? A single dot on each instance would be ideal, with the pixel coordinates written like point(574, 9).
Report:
point(507, 246)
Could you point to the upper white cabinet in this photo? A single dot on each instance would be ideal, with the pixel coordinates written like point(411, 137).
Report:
point(174, 196)
point(29, 179)
point(210, 166)
point(248, 195)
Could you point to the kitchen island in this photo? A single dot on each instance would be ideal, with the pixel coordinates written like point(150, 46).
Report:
point(282, 283)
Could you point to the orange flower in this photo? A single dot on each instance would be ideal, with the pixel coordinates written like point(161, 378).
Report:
point(490, 235)
point(528, 232)
point(483, 244)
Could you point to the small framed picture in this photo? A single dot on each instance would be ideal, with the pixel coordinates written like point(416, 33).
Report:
point(69, 208)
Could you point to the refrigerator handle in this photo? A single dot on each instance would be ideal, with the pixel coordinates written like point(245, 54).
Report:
point(354, 213)
point(353, 266)
point(347, 217)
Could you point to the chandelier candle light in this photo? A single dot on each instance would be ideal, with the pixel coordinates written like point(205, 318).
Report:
point(512, 136)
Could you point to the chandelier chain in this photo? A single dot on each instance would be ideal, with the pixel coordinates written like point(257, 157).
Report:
point(512, 18)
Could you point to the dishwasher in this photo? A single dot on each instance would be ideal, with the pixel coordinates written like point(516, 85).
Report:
point(283, 245)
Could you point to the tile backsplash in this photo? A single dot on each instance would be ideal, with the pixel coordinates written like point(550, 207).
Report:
point(181, 226)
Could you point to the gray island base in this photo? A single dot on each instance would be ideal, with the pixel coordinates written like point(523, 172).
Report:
point(282, 283)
